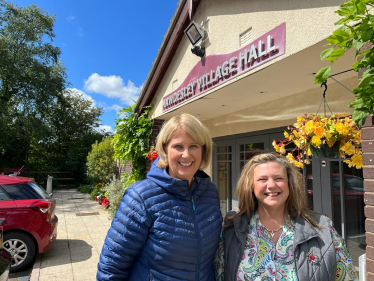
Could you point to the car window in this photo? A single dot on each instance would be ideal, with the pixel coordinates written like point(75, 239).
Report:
point(335, 183)
point(355, 183)
point(21, 191)
point(40, 190)
point(3, 196)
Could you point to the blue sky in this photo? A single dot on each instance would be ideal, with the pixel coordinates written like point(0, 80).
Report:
point(108, 47)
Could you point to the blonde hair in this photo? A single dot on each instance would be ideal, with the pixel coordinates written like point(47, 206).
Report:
point(296, 203)
point(194, 128)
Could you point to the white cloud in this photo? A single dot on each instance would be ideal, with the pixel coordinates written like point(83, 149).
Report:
point(106, 128)
point(114, 107)
point(113, 87)
point(76, 92)
point(70, 18)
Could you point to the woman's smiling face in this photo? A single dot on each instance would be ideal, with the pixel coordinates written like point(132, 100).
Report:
point(270, 184)
point(184, 156)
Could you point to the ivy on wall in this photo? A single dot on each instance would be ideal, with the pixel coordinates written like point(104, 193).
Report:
point(131, 140)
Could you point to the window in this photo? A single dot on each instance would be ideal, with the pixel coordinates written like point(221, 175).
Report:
point(21, 191)
point(3, 196)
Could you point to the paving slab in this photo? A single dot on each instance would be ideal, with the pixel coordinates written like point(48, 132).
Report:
point(76, 251)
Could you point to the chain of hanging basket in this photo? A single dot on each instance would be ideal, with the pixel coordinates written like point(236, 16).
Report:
point(324, 99)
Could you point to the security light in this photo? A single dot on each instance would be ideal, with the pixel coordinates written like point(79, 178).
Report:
point(198, 51)
point(194, 33)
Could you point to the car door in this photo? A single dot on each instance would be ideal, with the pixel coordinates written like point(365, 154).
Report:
point(7, 205)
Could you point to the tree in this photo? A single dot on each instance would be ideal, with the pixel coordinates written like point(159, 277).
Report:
point(32, 79)
point(356, 31)
point(101, 165)
point(72, 129)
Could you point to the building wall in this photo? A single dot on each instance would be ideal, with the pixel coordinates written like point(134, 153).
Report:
point(228, 19)
point(283, 112)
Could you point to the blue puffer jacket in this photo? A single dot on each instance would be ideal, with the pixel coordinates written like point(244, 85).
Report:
point(163, 231)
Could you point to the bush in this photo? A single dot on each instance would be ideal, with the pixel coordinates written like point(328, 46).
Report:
point(101, 165)
point(115, 191)
point(87, 188)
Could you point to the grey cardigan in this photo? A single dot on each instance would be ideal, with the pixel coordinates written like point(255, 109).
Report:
point(307, 239)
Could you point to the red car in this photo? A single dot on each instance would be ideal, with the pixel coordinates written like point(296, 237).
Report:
point(30, 224)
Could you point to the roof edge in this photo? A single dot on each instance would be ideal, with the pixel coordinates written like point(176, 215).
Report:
point(173, 36)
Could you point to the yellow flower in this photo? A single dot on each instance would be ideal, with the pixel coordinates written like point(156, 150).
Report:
point(290, 157)
point(309, 127)
point(315, 141)
point(286, 135)
point(309, 152)
point(282, 150)
point(300, 119)
point(296, 134)
point(298, 164)
point(355, 161)
point(348, 148)
point(319, 131)
point(276, 147)
point(342, 129)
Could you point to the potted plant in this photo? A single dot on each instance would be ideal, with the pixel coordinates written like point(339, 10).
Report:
point(323, 137)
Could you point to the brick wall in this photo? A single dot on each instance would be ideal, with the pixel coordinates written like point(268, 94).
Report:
point(368, 160)
point(124, 168)
point(157, 124)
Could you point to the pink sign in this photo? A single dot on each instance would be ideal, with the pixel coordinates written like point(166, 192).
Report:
point(215, 70)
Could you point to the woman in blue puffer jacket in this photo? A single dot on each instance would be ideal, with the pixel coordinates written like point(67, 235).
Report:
point(167, 227)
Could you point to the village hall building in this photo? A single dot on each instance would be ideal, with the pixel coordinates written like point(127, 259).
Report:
point(246, 69)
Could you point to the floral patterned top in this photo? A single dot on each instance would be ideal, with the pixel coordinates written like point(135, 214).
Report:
point(264, 260)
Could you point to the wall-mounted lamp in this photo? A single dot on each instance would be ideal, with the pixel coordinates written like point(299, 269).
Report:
point(195, 33)
point(198, 51)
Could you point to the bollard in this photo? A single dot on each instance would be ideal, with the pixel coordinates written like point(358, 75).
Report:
point(362, 267)
point(49, 184)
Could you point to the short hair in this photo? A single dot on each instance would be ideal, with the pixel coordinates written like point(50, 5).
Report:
point(296, 203)
point(194, 128)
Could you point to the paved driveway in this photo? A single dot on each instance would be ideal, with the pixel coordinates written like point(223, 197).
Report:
point(82, 227)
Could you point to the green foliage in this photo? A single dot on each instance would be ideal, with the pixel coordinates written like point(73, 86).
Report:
point(356, 30)
point(72, 129)
point(32, 78)
point(115, 191)
point(87, 188)
point(101, 165)
point(131, 140)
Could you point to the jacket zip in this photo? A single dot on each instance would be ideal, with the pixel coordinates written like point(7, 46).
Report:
point(197, 233)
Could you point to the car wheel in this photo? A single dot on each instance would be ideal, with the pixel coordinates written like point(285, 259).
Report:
point(22, 249)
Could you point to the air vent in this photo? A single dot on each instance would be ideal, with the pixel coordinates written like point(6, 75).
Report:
point(246, 36)
point(174, 85)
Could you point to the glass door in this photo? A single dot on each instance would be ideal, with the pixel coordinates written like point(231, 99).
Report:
point(223, 162)
point(246, 148)
point(342, 200)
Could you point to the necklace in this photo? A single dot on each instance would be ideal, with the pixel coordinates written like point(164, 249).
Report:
point(272, 231)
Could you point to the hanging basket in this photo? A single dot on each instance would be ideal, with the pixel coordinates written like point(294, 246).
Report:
point(324, 151)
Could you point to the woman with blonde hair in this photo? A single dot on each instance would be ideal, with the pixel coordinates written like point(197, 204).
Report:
point(273, 236)
point(167, 226)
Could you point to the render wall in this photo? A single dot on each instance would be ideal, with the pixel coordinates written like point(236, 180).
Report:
point(307, 23)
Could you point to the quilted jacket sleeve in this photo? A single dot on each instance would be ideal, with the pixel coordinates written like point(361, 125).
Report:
point(125, 238)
